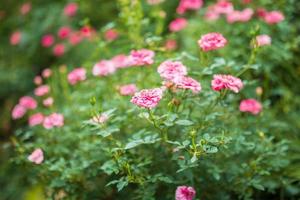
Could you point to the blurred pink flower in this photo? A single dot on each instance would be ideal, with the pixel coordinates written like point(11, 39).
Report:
point(147, 98)
point(121, 61)
point(75, 38)
point(70, 9)
point(169, 70)
point(87, 31)
point(104, 68)
point(48, 102)
point(59, 50)
point(25, 8)
point(36, 119)
point(273, 17)
point(47, 40)
point(78, 74)
point(28, 102)
point(212, 41)
point(38, 80)
point(15, 38)
point(178, 24)
point(185, 5)
point(185, 193)
point(102, 118)
point(223, 7)
point(111, 34)
point(37, 156)
point(188, 83)
point(211, 13)
point(64, 32)
point(128, 90)
point(250, 105)
point(46, 73)
point(261, 12)
point(240, 16)
point(18, 112)
point(53, 120)
point(263, 40)
point(142, 57)
point(221, 81)
point(42, 90)
point(171, 44)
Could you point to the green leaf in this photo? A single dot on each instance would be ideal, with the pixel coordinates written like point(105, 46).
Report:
point(184, 122)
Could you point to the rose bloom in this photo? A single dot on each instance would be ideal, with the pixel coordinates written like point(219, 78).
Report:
point(18, 112)
point(25, 8)
point(251, 106)
point(273, 17)
point(185, 5)
point(187, 83)
point(211, 13)
point(46, 73)
point(223, 7)
point(222, 81)
point(59, 50)
point(212, 41)
point(128, 90)
point(70, 9)
point(147, 98)
point(47, 40)
point(28, 102)
point(78, 74)
point(48, 102)
point(38, 80)
point(261, 12)
point(185, 193)
point(36, 119)
point(75, 38)
point(111, 34)
point(15, 38)
point(121, 61)
point(104, 68)
point(37, 156)
point(53, 120)
point(178, 24)
point(154, 2)
point(171, 44)
point(87, 31)
point(42, 90)
point(263, 40)
point(142, 57)
point(240, 16)
point(169, 70)
point(64, 32)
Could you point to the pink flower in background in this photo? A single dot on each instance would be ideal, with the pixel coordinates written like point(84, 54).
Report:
point(38, 80)
point(53, 120)
point(111, 34)
point(171, 44)
point(251, 106)
point(87, 31)
point(36, 119)
point(169, 70)
point(15, 38)
point(28, 102)
point(18, 112)
point(147, 98)
point(78, 74)
point(47, 40)
point(48, 102)
point(75, 38)
point(154, 2)
point(188, 83)
point(185, 5)
point(25, 8)
point(70, 9)
point(212, 41)
point(128, 90)
point(121, 61)
point(185, 193)
point(46, 73)
point(263, 40)
point(42, 90)
point(222, 81)
point(142, 57)
point(64, 32)
point(211, 13)
point(273, 17)
point(240, 16)
point(261, 12)
point(104, 68)
point(59, 50)
point(223, 7)
point(37, 156)
point(178, 24)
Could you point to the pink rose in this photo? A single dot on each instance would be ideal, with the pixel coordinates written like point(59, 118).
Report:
point(64, 32)
point(222, 81)
point(169, 70)
point(48, 102)
point(18, 112)
point(147, 98)
point(142, 57)
point(178, 24)
point(70, 9)
point(223, 7)
point(212, 41)
point(59, 50)
point(121, 61)
point(53, 120)
point(36, 119)
point(187, 83)
point(78, 74)
point(25, 8)
point(128, 90)
point(273, 17)
point(185, 5)
point(211, 13)
point(46, 73)
point(171, 44)
point(185, 193)
point(37, 156)
point(263, 40)
point(28, 102)
point(111, 34)
point(15, 38)
point(75, 38)
point(251, 106)
point(47, 40)
point(38, 80)
point(104, 68)
point(42, 90)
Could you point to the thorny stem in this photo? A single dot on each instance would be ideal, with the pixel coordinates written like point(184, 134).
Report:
point(163, 133)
